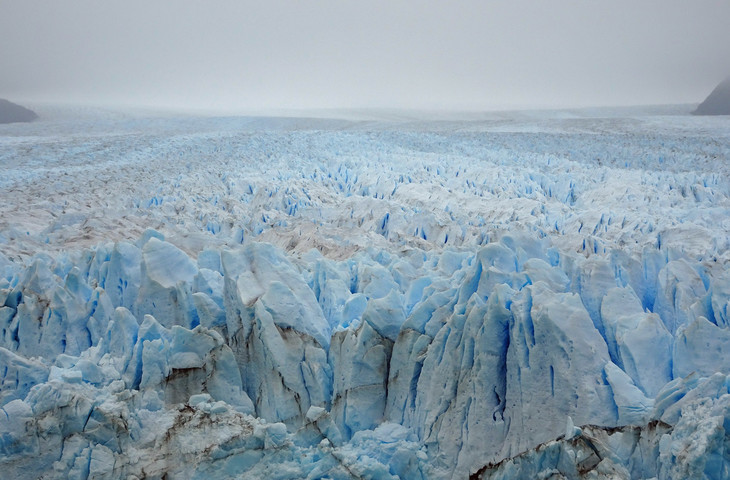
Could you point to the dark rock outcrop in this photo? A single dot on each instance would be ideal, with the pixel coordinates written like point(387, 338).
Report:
point(718, 102)
point(12, 113)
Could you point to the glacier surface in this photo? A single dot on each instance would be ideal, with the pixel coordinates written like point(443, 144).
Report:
point(514, 296)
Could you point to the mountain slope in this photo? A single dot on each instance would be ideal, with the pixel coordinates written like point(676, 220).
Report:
point(12, 113)
point(718, 102)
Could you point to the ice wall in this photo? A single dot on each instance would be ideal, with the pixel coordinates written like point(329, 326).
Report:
point(139, 360)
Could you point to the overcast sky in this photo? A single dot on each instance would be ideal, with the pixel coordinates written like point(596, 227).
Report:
point(459, 54)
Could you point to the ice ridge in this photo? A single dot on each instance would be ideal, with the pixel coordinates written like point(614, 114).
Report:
point(136, 359)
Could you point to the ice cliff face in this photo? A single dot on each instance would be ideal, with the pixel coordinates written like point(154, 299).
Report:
point(439, 363)
point(685, 439)
point(521, 355)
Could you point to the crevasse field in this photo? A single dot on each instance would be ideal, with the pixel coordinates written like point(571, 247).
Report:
point(512, 295)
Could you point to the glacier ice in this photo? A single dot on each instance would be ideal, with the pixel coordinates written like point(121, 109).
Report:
point(332, 299)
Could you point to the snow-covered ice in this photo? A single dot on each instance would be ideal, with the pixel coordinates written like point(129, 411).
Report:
point(512, 295)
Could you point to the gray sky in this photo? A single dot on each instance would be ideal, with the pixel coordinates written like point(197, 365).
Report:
point(459, 54)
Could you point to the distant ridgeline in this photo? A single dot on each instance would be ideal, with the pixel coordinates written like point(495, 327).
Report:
point(12, 113)
point(718, 102)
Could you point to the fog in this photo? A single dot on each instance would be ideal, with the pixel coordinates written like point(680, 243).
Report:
point(280, 54)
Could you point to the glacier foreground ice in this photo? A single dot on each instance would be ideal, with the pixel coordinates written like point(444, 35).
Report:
point(445, 320)
point(486, 356)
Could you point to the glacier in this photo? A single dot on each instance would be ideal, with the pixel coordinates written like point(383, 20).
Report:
point(514, 295)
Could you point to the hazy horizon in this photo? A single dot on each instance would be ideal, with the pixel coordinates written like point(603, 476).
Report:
point(325, 55)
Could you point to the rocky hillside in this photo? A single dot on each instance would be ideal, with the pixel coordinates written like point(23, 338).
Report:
point(12, 113)
point(718, 102)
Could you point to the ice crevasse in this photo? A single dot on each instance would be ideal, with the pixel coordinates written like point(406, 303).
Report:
point(135, 360)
